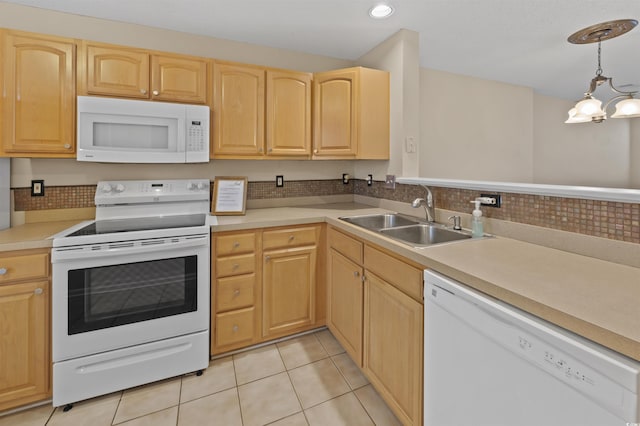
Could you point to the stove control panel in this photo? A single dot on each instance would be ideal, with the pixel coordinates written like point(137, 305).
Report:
point(145, 191)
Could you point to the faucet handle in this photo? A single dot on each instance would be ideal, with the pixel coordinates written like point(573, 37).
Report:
point(456, 222)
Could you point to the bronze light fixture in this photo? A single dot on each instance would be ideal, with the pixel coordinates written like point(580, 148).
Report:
point(590, 109)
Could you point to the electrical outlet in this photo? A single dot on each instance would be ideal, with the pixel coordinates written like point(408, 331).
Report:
point(369, 180)
point(279, 181)
point(390, 181)
point(37, 188)
point(345, 178)
point(496, 197)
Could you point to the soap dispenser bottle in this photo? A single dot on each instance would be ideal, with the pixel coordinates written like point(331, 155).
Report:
point(477, 228)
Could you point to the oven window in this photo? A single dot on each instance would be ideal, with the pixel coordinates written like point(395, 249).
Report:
point(110, 296)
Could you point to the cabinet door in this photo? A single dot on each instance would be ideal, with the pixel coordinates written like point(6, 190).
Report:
point(392, 356)
point(117, 72)
point(178, 79)
point(39, 96)
point(24, 343)
point(289, 287)
point(288, 113)
point(238, 111)
point(334, 114)
point(345, 293)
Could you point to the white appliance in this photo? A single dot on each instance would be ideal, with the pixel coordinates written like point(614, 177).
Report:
point(5, 193)
point(130, 299)
point(130, 131)
point(487, 363)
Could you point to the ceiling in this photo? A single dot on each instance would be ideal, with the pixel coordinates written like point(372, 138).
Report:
point(516, 41)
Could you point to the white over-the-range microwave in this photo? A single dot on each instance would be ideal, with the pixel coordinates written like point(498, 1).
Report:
point(131, 131)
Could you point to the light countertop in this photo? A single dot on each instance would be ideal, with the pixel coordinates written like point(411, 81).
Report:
point(593, 298)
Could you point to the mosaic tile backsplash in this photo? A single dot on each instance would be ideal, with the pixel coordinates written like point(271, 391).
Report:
point(613, 220)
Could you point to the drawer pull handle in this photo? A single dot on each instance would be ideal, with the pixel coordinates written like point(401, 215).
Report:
point(235, 328)
point(37, 291)
point(3, 271)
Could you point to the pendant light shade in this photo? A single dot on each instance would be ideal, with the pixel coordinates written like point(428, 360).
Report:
point(628, 108)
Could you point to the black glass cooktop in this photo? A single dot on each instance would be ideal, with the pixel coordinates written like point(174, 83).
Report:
point(140, 224)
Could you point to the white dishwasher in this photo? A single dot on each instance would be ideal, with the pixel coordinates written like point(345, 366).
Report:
point(487, 363)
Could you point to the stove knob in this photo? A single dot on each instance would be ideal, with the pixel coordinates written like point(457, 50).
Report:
point(106, 188)
point(202, 185)
point(119, 187)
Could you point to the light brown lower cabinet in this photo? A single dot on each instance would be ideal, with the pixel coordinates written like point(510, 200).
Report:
point(265, 284)
point(392, 355)
point(375, 311)
point(25, 328)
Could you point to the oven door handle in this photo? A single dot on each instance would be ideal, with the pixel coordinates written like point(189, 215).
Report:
point(127, 247)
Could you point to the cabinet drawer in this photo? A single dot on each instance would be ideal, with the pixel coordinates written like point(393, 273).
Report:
point(235, 292)
point(24, 267)
point(235, 244)
point(290, 237)
point(235, 326)
point(346, 245)
point(235, 265)
point(397, 273)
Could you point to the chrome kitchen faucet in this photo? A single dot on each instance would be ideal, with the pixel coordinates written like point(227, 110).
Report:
point(428, 204)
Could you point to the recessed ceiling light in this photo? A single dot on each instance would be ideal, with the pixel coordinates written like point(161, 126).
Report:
point(381, 11)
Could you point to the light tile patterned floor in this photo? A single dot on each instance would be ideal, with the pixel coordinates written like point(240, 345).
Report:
point(308, 380)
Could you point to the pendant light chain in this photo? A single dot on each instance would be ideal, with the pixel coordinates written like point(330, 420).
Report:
point(599, 70)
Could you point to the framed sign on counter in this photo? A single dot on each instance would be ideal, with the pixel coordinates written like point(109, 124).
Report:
point(229, 195)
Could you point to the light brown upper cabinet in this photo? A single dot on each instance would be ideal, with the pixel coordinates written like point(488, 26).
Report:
point(135, 73)
point(260, 112)
point(39, 96)
point(351, 114)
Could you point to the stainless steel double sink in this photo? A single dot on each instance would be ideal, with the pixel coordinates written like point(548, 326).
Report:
point(408, 230)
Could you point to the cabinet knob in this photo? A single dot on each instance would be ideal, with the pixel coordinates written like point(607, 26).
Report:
point(236, 244)
point(3, 271)
point(143, 91)
point(236, 292)
point(270, 149)
point(67, 146)
point(260, 149)
point(267, 258)
point(156, 93)
point(37, 291)
point(235, 266)
point(356, 273)
point(315, 151)
point(291, 237)
point(235, 328)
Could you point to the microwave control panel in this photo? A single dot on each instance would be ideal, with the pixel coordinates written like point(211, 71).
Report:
point(196, 136)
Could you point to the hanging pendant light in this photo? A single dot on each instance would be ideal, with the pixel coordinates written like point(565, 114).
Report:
point(590, 109)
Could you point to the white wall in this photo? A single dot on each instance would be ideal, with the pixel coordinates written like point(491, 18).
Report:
point(586, 154)
point(634, 154)
point(485, 130)
point(399, 55)
point(474, 129)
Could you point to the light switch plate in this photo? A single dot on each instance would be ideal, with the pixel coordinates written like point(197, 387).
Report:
point(279, 181)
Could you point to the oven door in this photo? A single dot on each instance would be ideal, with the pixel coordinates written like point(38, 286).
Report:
point(114, 295)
